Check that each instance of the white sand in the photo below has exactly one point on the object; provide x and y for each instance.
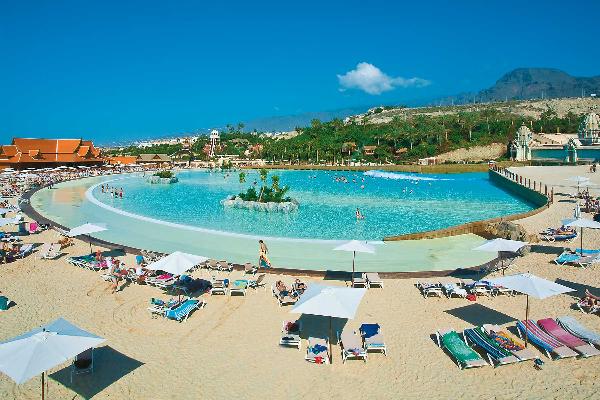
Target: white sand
(229, 349)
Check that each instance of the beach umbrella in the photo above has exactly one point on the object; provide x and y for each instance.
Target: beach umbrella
(177, 263)
(355, 246)
(499, 244)
(329, 301)
(7, 221)
(583, 223)
(530, 285)
(87, 229)
(36, 351)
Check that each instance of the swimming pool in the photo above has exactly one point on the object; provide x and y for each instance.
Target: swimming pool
(188, 216)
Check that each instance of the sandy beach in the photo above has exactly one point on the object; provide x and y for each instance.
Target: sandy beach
(230, 348)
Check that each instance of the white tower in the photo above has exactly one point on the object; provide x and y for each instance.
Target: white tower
(214, 141)
(521, 146)
(589, 130)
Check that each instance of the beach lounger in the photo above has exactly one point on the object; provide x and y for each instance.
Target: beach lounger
(573, 326)
(373, 339)
(249, 268)
(219, 286)
(552, 328)
(225, 266)
(183, 311)
(212, 264)
(283, 300)
(238, 287)
(430, 289)
(587, 251)
(50, 251)
(158, 307)
(290, 334)
(373, 279)
(83, 363)
(465, 356)
(510, 342)
(584, 303)
(25, 250)
(259, 282)
(544, 341)
(480, 288)
(452, 289)
(359, 281)
(566, 257)
(317, 351)
(351, 346)
(498, 290)
(496, 354)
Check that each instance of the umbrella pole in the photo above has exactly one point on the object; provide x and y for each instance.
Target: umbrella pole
(42, 386)
(353, 258)
(581, 238)
(330, 337)
(526, 317)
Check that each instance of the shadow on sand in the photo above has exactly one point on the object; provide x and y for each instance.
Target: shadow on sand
(477, 314)
(109, 366)
(318, 326)
(579, 288)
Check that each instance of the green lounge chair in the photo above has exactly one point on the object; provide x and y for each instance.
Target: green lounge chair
(465, 356)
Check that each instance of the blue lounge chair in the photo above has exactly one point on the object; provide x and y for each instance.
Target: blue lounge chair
(494, 352)
(182, 312)
(566, 258)
(587, 251)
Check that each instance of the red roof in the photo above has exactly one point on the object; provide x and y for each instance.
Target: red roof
(49, 151)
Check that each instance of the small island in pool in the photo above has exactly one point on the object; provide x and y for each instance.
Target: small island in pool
(164, 177)
(268, 199)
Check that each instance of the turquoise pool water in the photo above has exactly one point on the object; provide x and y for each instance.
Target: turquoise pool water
(391, 203)
(188, 217)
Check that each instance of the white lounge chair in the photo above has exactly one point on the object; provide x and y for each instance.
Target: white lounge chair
(351, 346)
(290, 334)
(452, 289)
(238, 287)
(49, 251)
(373, 279)
(317, 351)
(359, 281)
(218, 287)
(373, 339)
(430, 289)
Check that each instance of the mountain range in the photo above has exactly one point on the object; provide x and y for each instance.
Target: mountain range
(530, 83)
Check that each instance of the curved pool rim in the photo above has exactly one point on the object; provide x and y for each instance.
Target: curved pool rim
(403, 272)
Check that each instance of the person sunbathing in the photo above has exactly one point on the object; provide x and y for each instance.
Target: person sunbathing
(299, 286)
(282, 289)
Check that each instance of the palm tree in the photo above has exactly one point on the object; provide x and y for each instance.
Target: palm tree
(263, 178)
(242, 178)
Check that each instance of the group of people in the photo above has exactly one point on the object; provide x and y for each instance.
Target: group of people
(113, 191)
(295, 291)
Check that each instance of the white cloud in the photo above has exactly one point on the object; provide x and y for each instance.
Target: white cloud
(370, 79)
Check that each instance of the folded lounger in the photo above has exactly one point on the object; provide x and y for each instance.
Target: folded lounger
(317, 351)
(465, 356)
(373, 339)
(25, 250)
(373, 279)
(552, 328)
(493, 350)
(351, 346)
(544, 341)
(290, 334)
(182, 312)
(573, 326)
(509, 342)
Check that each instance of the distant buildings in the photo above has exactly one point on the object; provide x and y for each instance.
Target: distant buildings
(570, 147)
(162, 160)
(38, 153)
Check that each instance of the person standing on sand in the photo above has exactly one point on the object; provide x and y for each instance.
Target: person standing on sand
(263, 258)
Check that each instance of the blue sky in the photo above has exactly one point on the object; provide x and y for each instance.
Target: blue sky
(110, 70)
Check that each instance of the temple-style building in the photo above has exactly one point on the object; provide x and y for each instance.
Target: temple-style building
(38, 153)
(559, 147)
